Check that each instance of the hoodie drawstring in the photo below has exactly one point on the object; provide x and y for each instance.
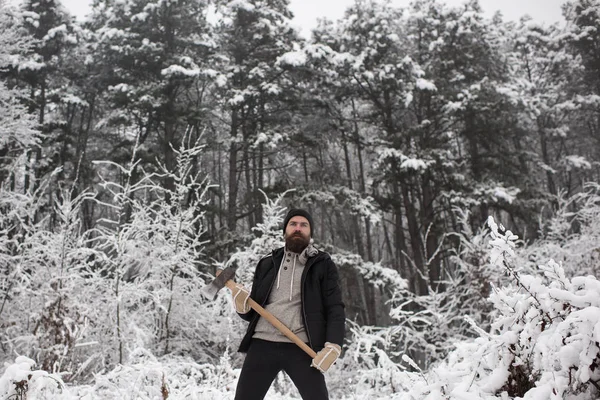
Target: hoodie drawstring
(293, 273)
(279, 275)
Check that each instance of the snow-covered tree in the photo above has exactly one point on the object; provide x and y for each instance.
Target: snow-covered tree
(583, 37)
(18, 129)
(41, 72)
(546, 95)
(151, 64)
(256, 96)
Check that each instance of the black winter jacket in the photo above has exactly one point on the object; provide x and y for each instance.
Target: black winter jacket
(322, 307)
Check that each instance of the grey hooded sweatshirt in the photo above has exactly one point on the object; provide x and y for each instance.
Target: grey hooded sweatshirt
(285, 301)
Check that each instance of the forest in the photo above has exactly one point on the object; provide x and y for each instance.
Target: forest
(451, 162)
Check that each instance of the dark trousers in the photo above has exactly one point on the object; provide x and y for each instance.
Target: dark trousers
(263, 362)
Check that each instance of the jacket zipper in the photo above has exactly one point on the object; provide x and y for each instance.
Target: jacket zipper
(302, 297)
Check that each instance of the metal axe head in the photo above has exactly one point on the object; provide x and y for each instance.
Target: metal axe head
(210, 291)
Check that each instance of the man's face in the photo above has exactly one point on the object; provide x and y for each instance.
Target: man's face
(297, 234)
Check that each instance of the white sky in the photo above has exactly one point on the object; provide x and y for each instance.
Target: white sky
(306, 12)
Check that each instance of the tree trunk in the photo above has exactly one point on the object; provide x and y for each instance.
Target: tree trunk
(356, 228)
(546, 159)
(169, 142)
(431, 243)
(250, 191)
(222, 185)
(233, 173)
(305, 164)
(394, 256)
(259, 183)
(400, 246)
(33, 157)
(416, 243)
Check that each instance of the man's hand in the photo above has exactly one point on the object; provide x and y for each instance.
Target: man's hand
(326, 357)
(240, 298)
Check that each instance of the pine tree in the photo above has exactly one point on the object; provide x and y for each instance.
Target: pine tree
(152, 57)
(41, 73)
(583, 37)
(256, 98)
(18, 128)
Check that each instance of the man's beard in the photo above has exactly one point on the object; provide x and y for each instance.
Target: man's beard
(296, 243)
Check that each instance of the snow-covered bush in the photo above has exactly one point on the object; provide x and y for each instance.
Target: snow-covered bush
(41, 279)
(571, 235)
(144, 376)
(425, 327)
(543, 343)
(268, 237)
(152, 259)
(226, 324)
(78, 301)
(21, 381)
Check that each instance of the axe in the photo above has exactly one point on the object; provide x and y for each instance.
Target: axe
(224, 279)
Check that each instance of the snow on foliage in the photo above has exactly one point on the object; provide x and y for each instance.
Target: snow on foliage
(268, 238)
(424, 84)
(269, 139)
(571, 235)
(142, 268)
(154, 257)
(148, 377)
(18, 129)
(499, 193)
(351, 200)
(241, 4)
(503, 322)
(292, 58)
(178, 70)
(576, 162)
(490, 192)
(387, 155)
(542, 343)
(20, 380)
(376, 274)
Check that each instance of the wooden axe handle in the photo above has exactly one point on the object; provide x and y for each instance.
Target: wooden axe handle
(276, 323)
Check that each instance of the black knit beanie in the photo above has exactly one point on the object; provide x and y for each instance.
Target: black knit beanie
(295, 212)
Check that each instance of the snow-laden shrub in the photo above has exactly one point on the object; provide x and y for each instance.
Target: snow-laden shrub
(369, 366)
(571, 236)
(152, 259)
(268, 238)
(147, 377)
(78, 301)
(20, 380)
(543, 342)
(425, 327)
(41, 279)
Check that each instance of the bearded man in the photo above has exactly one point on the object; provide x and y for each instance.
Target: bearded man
(299, 285)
